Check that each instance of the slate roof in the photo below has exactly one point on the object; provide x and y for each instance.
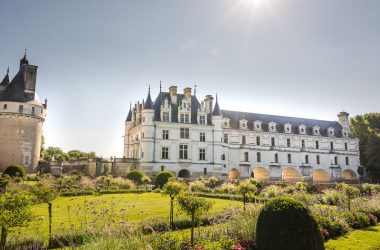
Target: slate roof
(15, 91)
(174, 107)
(236, 116)
(6, 80)
(216, 111)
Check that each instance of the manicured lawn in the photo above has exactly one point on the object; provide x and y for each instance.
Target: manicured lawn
(138, 207)
(364, 239)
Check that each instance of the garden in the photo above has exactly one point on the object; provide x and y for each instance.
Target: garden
(135, 212)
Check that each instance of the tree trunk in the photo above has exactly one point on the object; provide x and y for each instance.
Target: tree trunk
(349, 203)
(244, 201)
(3, 238)
(192, 230)
(50, 222)
(171, 214)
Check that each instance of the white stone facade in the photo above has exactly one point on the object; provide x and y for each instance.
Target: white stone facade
(192, 140)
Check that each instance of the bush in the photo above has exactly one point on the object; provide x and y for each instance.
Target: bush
(135, 175)
(284, 223)
(199, 186)
(162, 178)
(331, 219)
(15, 170)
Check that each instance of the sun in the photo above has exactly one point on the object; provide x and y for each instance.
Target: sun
(254, 3)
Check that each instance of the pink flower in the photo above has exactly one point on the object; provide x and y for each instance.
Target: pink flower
(325, 233)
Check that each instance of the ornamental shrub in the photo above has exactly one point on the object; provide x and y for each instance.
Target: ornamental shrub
(15, 170)
(162, 178)
(285, 223)
(135, 175)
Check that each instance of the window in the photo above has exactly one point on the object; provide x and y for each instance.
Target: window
(33, 110)
(162, 168)
(288, 142)
(202, 136)
(202, 120)
(165, 134)
(184, 118)
(288, 129)
(289, 158)
(332, 145)
(184, 133)
(336, 160)
(306, 159)
(183, 150)
(225, 138)
(317, 144)
(273, 142)
(5, 106)
(243, 140)
(202, 154)
(165, 116)
(303, 143)
(318, 160)
(20, 108)
(258, 140)
(258, 126)
(223, 157)
(205, 171)
(225, 124)
(345, 146)
(276, 158)
(347, 161)
(258, 156)
(143, 135)
(246, 156)
(165, 153)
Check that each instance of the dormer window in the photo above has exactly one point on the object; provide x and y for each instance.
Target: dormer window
(226, 122)
(257, 125)
(330, 131)
(316, 130)
(165, 116)
(302, 129)
(272, 126)
(344, 133)
(202, 120)
(288, 128)
(184, 118)
(243, 124)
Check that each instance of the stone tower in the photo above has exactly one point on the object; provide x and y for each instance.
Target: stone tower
(21, 118)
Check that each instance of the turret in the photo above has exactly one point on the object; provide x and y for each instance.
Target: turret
(217, 116)
(5, 82)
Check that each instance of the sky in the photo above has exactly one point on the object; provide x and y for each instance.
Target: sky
(298, 58)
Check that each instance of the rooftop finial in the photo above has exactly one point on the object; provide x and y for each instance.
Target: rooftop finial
(149, 89)
(8, 70)
(195, 90)
(216, 97)
(160, 86)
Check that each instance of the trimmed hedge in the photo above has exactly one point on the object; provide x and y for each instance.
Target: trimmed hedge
(15, 171)
(135, 175)
(285, 223)
(163, 177)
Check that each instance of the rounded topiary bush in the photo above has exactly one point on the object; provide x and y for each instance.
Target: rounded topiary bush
(284, 223)
(15, 170)
(162, 178)
(135, 175)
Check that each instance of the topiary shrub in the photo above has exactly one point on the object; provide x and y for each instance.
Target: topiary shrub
(135, 175)
(163, 177)
(285, 223)
(15, 170)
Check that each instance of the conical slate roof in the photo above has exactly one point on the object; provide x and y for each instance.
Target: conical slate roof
(148, 103)
(216, 111)
(129, 117)
(6, 79)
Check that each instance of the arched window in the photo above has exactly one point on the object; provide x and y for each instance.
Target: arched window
(246, 156)
(223, 157)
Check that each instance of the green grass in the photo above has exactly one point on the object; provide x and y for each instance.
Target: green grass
(139, 207)
(363, 239)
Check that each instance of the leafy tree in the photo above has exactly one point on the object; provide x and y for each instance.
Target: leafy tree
(15, 171)
(172, 188)
(135, 175)
(246, 188)
(350, 192)
(367, 129)
(145, 180)
(14, 212)
(162, 178)
(106, 168)
(193, 207)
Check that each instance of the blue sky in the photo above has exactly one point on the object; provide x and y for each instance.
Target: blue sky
(286, 57)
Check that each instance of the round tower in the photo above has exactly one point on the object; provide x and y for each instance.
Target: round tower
(21, 118)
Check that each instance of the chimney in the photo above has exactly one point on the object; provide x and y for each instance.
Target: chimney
(344, 120)
(187, 92)
(209, 103)
(173, 90)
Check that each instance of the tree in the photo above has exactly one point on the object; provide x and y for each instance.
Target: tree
(193, 207)
(106, 168)
(350, 192)
(246, 188)
(135, 175)
(172, 188)
(145, 180)
(162, 178)
(15, 171)
(14, 212)
(367, 129)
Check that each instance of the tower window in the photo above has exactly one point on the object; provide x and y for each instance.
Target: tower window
(223, 157)
(202, 154)
(258, 156)
(165, 134)
(332, 145)
(202, 136)
(243, 141)
(336, 160)
(345, 146)
(184, 133)
(33, 110)
(246, 156)
(258, 140)
(165, 153)
(289, 158)
(288, 142)
(303, 143)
